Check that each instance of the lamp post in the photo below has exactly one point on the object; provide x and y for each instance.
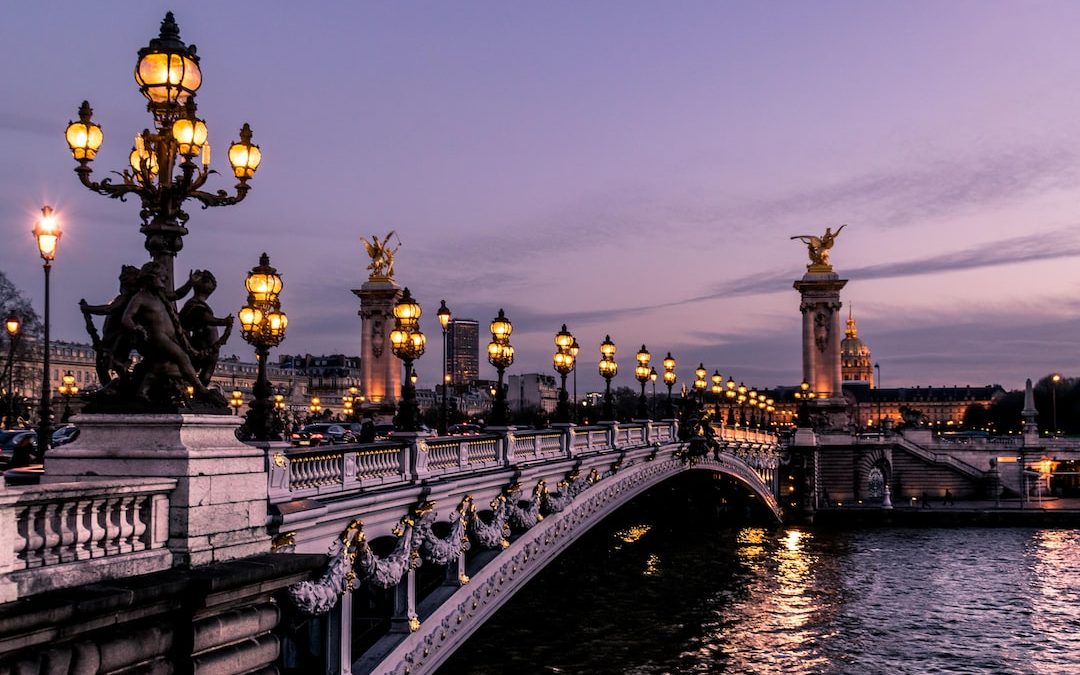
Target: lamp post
(641, 372)
(717, 391)
(700, 383)
(262, 324)
(13, 326)
(47, 232)
(163, 172)
(1054, 379)
(563, 362)
(608, 369)
(652, 378)
(574, 349)
(236, 401)
(500, 355)
(407, 341)
(670, 378)
(804, 396)
(315, 406)
(730, 394)
(444, 321)
(740, 398)
(877, 385)
(67, 389)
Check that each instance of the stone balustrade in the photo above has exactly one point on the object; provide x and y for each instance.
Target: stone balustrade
(60, 535)
(296, 473)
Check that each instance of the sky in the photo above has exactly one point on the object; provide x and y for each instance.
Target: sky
(627, 168)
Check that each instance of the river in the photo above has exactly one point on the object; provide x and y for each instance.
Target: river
(679, 590)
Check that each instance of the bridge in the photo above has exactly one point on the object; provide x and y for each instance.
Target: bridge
(491, 510)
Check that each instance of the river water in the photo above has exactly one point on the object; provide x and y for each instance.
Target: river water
(662, 591)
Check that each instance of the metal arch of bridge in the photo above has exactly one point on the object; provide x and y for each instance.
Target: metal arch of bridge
(621, 460)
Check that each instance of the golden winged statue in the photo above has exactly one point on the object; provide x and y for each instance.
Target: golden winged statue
(818, 247)
(382, 256)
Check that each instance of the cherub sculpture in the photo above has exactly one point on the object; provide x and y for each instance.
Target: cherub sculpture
(818, 247)
(382, 257)
(200, 325)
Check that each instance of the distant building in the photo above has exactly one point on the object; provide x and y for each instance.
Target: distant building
(532, 390)
(855, 362)
(327, 376)
(463, 351)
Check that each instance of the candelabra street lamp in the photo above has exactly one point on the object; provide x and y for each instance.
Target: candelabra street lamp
(670, 378)
(563, 361)
(500, 355)
(67, 389)
(730, 394)
(641, 372)
(407, 341)
(652, 378)
(13, 326)
(740, 399)
(608, 369)
(699, 383)
(236, 401)
(804, 395)
(47, 233)
(262, 324)
(444, 321)
(574, 349)
(1054, 379)
(315, 407)
(163, 172)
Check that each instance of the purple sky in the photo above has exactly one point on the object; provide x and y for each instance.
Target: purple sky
(627, 168)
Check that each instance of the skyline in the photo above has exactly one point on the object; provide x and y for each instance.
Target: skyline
(673, 151)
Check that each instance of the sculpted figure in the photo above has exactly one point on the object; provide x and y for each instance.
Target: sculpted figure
(200, 325)
(158, 336)
(382, 257)
(818, 247)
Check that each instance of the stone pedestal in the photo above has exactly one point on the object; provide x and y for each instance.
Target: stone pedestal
(218, 510)
(820, 306)
(380, 370)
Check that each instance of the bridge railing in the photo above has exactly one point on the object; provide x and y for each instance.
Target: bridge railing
(119, 524)
(297, 473)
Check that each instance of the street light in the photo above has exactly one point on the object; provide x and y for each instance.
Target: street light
(803, 395)
(407, 341)
(13, 325)
(47, 233)
(67, 389)
(652, 378)
(574, 349)
(730, 394)
(717, 390)
(563, 362)
(641, 372)
(236, 401)
(699, 382)
(1054, 379)
(500, 355)
(670, 378)
(877, 385)
(262, 324)
(444, 321)
(168, 75)
(315, 407)
(608, 369)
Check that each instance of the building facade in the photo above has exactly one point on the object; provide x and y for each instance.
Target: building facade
(462, 351)
(532, 391)
(856, 365)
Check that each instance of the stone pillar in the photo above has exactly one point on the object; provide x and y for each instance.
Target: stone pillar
(820, 307)
(380, 370)
(218, 510)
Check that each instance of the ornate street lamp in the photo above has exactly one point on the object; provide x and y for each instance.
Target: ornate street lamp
(564, 362)
(804, 395)
(608, 369)
(717, 391)
(670, 378)
(575, 348)
(730, 394)
(13, 326)
(262, 324)
(407, 341)
(652, 378)
(67, 389)
(444, 321)
(236, 401)
(315, 407)
(699, 382)
(641, 372)
(163, 171)
(740, 399)
(1054, 380)
(47, 233)
(500, 355)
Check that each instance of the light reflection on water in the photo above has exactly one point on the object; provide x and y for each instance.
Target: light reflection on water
(797, 601)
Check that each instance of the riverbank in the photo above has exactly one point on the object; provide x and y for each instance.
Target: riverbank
(1047, 512)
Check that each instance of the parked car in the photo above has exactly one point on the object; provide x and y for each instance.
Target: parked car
(383, 431)
(322, 434)
(463, 430)
(65, 435)
(9, 439)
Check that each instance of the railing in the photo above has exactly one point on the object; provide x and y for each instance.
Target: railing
(296, 473)
(59, 523)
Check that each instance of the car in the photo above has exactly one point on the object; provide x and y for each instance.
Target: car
(64, 435)
(9, 439)
(322, 434)
(383, 431)
(463, 430)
